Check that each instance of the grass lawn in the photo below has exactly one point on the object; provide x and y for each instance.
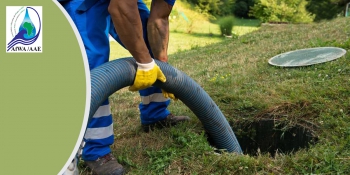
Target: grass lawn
(235, 73)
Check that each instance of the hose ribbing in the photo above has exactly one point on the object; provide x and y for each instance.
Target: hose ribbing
(114, 75)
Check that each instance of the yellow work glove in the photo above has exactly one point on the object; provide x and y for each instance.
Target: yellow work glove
(146, 75)
(169, 95)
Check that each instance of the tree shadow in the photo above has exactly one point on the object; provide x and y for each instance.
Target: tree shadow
(196, 34)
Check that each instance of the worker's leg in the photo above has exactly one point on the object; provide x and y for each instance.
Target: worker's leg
(92, 24)
(153, 107)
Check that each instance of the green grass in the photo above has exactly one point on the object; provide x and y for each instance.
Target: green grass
(235, 73)
(244, 26)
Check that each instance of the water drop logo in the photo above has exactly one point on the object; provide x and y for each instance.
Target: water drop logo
(24, 29)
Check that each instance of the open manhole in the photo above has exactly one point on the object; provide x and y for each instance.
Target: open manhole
(271, 136)
(284, 128)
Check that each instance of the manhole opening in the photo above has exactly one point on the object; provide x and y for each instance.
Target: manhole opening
(271, 136)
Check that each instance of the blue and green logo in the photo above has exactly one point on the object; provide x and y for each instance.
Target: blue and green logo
(25, 34)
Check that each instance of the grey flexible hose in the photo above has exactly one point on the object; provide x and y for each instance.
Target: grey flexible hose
(114, 75)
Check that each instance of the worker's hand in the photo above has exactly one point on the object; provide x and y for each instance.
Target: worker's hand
(146, 75)
(169, 95)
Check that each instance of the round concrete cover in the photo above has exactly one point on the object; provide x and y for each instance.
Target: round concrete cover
(306, 57)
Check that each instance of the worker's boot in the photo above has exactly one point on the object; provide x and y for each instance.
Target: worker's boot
(106, 165)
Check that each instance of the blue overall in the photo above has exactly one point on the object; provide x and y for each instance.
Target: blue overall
(93, 22)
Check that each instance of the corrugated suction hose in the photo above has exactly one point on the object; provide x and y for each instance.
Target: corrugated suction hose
(114, 75)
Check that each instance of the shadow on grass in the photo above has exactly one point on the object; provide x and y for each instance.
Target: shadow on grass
(241, 22)
(200, 35)
(247, 22)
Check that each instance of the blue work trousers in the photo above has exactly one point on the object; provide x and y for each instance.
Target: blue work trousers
(94, 25)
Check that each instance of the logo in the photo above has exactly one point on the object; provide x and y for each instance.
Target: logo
(24, 29)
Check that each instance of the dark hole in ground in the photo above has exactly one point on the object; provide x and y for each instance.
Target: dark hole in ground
(267, 136)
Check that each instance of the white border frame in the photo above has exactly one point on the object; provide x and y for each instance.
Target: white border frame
(88, 89)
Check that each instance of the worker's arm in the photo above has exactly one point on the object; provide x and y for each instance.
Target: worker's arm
(158, 29)
(127, 22)
(158, 33)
